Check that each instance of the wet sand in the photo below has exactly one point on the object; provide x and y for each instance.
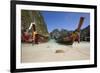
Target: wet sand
(46, 52)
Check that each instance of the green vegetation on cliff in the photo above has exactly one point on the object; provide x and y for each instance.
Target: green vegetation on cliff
(28, 16)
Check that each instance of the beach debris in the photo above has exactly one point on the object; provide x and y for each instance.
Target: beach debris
(59, 51)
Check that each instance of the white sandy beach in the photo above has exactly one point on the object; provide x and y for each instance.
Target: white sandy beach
(46, 52)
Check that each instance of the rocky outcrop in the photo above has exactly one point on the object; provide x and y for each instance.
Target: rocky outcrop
(85, 34)
(55, 34)
(28, 16)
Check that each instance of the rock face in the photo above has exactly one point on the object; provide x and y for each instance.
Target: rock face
(55, 34)
(64, 32)
(85, 34)
(28, 16)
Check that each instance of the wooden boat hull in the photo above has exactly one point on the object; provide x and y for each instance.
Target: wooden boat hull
(65, 41)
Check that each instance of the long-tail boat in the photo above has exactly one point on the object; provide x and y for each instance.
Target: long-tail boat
(74, 36)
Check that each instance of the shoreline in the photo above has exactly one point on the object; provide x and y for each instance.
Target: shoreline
(46, 52)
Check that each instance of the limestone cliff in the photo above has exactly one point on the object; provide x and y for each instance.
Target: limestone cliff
(28, 16)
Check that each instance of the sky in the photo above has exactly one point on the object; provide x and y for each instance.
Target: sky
(64, 20)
